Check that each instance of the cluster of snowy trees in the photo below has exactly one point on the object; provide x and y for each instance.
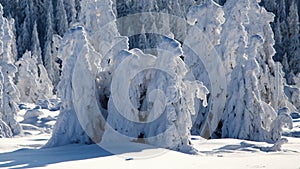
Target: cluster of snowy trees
(152, 71)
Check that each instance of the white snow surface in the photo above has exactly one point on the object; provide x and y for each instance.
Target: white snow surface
(27, 152)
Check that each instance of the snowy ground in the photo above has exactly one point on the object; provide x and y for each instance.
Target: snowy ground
(25, 152)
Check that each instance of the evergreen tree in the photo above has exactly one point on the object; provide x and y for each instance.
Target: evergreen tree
(294, 42)
(35, 45)
(61, 20)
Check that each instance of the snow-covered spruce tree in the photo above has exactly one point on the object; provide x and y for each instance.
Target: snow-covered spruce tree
(33, 81)
(246, 116)
(5, 130)
(294, 43)
(10, 98)
(80, 112)
(47, 51)
(10, 93)
(271, 80)
(60, 17)
(200, 56)
(24, 25)
(35, 45)
(45, 88)
(70, 7)
(27, 82)
(78, 54)
(233, 32)
(157, 17)
(161, 101)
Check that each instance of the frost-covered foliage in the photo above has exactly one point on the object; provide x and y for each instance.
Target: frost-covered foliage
(234, 36)
(201, 57)
(4, 130)
(74, 48)
(144, 21)
(248, 113)
(89, 54)
(293, 94)
(160, 101)
(45, 88)
(270, 76)
(286, 28)
(33, 81)
(9, 92)
(28, 78)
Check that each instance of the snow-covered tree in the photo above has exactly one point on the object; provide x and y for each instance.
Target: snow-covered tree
(10, 98)
(33, 81)
(28, 78)
(233, 32)
(74, 52)
(246, 115)
(91, 52)
(201, 57)
(271, 81)
(61, 20)
(35, 45)
(70, 10)
(5, 130)
(294, 42)
(10, 94)
(45, 88)
(157, 103)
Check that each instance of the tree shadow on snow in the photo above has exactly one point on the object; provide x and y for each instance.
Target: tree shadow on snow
(30, 158)
(242, 147)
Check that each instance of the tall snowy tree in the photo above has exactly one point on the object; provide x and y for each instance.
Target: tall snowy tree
(246, 116)
(10, 93)
(35, 44)
(74, 52)
(87, 51)
(294, 42)
(201, 57)
(271, 81)
(61, 20)
(70, 10)
(233, 32)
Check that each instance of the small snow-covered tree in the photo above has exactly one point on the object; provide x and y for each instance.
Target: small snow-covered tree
(28, 78)
(33, 81)
(45, 88)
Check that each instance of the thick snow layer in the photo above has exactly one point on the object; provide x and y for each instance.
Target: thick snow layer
(27, 152)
